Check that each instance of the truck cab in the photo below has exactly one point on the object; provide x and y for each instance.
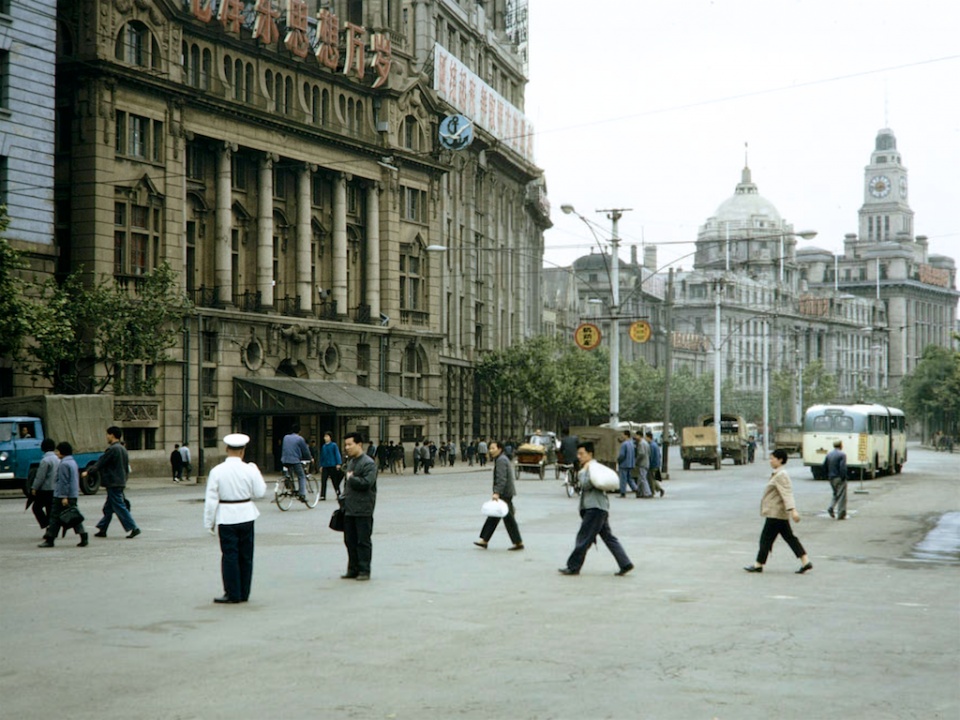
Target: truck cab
(20, 439)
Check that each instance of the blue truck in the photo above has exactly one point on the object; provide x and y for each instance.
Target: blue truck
(81, 420)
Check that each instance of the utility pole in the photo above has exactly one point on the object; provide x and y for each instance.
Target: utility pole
(614, 214)
(668, 323)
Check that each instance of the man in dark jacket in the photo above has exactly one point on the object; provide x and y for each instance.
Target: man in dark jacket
(359, 500)
(836, 466)
(503, 489)
(176, 464)
(113, 467)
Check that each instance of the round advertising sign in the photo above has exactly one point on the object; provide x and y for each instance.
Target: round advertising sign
(587, 336)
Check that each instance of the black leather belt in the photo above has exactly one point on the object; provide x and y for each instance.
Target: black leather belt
(234, 502)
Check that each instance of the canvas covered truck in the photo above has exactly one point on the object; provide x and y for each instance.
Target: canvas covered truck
(699, 446)
(789, 438)
(80, 420)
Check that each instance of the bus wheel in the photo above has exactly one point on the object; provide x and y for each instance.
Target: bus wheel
(872, 472)
(897, 465)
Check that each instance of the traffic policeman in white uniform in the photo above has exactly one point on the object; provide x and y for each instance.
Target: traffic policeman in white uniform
(231, 488)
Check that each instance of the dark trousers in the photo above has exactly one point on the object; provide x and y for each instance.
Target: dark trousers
(772, 528)
(358, 537)
(54, 527)
(596, 522)
(509, 522)
(236, 563)
(115, 504)
(42, 506)
(334, 475)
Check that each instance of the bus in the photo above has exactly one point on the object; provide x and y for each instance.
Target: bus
(874, 438)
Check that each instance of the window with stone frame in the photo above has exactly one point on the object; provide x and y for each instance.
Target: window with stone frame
(412, 280)
(412, 373)
(139, 137)
(138, 226)
(136, 46)
(136, 379)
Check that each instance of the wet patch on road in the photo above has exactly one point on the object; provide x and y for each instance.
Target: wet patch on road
(941, 544)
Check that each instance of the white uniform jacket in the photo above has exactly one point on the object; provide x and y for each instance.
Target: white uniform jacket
(228, 482)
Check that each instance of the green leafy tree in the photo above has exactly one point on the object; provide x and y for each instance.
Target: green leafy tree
(106, 327)
(553, 381)
(15, 309)
(932, 391)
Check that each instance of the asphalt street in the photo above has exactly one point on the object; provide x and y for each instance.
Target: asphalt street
(126, 628)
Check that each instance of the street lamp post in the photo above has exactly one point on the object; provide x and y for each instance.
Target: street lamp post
(614, 214)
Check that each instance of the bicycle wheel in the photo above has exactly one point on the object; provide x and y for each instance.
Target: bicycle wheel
(571, 484)
(313, 491)
(282, 497)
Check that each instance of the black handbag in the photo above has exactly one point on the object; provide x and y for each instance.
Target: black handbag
(70, 517)
(336, 520)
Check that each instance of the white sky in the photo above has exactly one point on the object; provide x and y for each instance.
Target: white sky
(647, 104)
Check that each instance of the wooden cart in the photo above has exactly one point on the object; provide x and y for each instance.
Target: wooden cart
(531, 459)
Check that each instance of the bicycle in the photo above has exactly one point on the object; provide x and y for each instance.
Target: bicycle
(571, 482)
(287, 488)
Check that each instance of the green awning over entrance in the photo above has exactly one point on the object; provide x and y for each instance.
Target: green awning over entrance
(293, 396)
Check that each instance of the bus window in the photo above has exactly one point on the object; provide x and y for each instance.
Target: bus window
(823, 423)
(843, 423)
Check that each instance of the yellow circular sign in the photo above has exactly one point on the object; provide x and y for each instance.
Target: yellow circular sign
(640, 331)
(587, 336)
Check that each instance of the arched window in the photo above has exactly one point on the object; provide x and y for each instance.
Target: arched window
(136, 46)
(410, 134)
(193, 71)
(287, 95)
(325, 106)
(206, 69)
(248, 85)
(268, 77)
(228, 69)
(315, 106)
(238, 81)
(358, 128)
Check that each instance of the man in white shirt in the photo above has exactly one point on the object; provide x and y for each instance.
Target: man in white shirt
(228, 507)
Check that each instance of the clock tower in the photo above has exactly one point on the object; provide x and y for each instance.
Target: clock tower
(885, 213)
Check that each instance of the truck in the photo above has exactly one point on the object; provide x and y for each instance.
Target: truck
(789, 438)
(699, 445)
(80, 420)
(733, 436)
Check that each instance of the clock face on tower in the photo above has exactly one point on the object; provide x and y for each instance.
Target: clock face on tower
(903, 188)
(879, 186)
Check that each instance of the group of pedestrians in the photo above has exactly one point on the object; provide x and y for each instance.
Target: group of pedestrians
(56, 488)
(180, 463)
(639, 461)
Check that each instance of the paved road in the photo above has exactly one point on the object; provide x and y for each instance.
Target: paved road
(126, 628)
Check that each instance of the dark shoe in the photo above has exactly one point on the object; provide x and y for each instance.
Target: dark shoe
(623, 495)
(46, 543)
(802, 570)
(480, 543)
(348, 576)
(624, 570)
(842, 516)
(224, 600)
(568, 571)
(830, 512)
(363, 577)
(754, 568)
(323, 497)
(518, 546)
(84, 540)
(662, 491)
(100, 533)
(133, 533)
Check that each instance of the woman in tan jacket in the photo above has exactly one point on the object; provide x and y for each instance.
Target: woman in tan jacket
(777, 506)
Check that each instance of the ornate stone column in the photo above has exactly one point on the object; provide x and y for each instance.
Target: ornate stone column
(265, 278)
(373, 250)
(340, 243)
(304, 239)
(223, 275)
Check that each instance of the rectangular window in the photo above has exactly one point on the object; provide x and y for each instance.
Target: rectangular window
(136, 238)
(414, 204)
(139, 137)
(209, 381)
(4, 78)
(238, 172)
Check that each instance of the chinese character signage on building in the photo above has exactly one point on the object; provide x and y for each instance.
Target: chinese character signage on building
(934, 276)
(470, 95)
(587, 336)
(285, 24)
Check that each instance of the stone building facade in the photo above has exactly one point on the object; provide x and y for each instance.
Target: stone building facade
(284, 158)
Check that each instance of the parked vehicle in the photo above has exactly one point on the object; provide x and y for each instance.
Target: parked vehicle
(733, 436)
(874, 438)
(80, 420)
(699, 445)
(789, 438)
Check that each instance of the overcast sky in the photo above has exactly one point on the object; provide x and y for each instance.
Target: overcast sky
(647, 104)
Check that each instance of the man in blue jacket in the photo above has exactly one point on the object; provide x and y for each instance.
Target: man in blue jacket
(330, 462)
(294, 449)
(113, 466)
(65, 493)
(625, 462)
(836, 466)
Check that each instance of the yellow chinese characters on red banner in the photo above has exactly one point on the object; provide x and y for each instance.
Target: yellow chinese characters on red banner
(640, 331)
(587, 336)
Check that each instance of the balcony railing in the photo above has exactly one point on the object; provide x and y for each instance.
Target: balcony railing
(205, 297)
(415, 317)
(288, 305)
(248, 301)
(362, 315)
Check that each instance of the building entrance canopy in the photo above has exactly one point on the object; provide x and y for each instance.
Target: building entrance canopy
(293, 396)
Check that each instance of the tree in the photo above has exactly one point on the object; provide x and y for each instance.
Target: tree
(932, 391)
(80, 329)
(553, 380)
(15, 309)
